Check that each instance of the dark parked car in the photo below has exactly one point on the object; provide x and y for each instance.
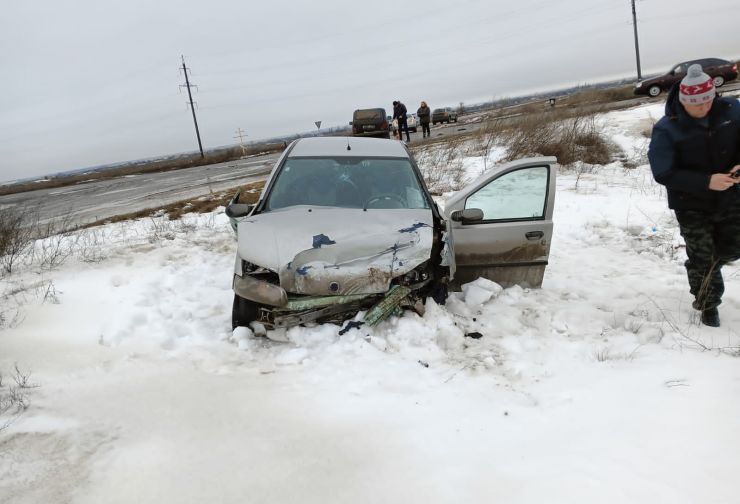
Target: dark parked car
(347, 224)
(444, 115)
(720, 70)
(370, 122)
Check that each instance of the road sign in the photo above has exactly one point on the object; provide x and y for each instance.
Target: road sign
(318, 124)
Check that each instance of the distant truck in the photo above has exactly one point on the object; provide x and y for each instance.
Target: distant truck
(444, 115)
(370, 122)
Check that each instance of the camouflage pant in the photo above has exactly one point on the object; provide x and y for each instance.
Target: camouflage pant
(712, 240)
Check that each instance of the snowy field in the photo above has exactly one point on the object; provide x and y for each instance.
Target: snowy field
(601, 387)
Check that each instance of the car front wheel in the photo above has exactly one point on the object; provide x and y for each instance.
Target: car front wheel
(654, 91)
(718, 81)
(243, 312)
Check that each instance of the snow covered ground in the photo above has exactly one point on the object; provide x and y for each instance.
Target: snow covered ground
(600, 387)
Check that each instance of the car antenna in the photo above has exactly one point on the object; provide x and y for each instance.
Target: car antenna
(348, 147)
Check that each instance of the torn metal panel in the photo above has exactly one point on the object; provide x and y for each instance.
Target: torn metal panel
(388, 306)
(448, 251)
(313, 302)
(289, 319)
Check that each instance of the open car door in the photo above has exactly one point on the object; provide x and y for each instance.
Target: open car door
(501, 223)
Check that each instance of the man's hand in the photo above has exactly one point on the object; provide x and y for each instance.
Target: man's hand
(723, 181)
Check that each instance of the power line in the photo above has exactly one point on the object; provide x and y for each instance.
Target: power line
(192, 107)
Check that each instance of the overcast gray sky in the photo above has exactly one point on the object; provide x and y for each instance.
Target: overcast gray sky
(90, 82)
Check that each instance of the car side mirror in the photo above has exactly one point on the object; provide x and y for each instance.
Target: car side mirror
(236, 210)
(350, 123)
(467, 215)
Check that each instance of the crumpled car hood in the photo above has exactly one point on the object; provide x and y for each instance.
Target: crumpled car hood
(337, 251)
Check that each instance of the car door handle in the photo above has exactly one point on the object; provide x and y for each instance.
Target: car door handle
(534, 235)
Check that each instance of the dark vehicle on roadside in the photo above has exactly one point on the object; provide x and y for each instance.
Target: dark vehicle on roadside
(371, 123)
(347, 224)
(719, 70)
(444, 115)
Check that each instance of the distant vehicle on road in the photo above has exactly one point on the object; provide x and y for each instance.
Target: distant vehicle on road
(720, 70)
(411, 121)
(444, 115)
(370, 122)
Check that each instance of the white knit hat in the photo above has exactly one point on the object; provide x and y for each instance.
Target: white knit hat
(697, 87)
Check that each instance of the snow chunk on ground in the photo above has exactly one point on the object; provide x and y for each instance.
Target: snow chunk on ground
(479, 291)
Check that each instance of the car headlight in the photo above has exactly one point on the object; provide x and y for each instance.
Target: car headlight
(638, 85)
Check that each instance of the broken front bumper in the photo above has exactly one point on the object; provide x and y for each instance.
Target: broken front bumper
(280, 311)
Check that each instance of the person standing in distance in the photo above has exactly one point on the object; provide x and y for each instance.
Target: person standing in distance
(425, 116)
(399, 113)
(695, 153)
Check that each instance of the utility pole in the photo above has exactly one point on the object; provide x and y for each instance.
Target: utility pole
(192, 107)
(239, 134)
(637, 45)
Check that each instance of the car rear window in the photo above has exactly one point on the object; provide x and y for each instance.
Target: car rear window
(370, 114)
(439, 111)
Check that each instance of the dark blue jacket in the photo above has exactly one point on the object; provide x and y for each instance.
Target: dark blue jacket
(684, 153)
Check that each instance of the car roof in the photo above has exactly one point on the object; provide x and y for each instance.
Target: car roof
(700, 60)
(376, 109)
(337, 147)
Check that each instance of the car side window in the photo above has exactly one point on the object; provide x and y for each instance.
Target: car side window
(517, 195)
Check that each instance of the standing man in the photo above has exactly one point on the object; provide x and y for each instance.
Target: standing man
(425, 116)
(399, 112)
(695, 153)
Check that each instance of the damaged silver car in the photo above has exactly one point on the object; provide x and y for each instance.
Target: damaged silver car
(347, 224)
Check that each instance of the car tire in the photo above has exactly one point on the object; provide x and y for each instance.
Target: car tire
(243, 312)
(718, 81)
(654, 90)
